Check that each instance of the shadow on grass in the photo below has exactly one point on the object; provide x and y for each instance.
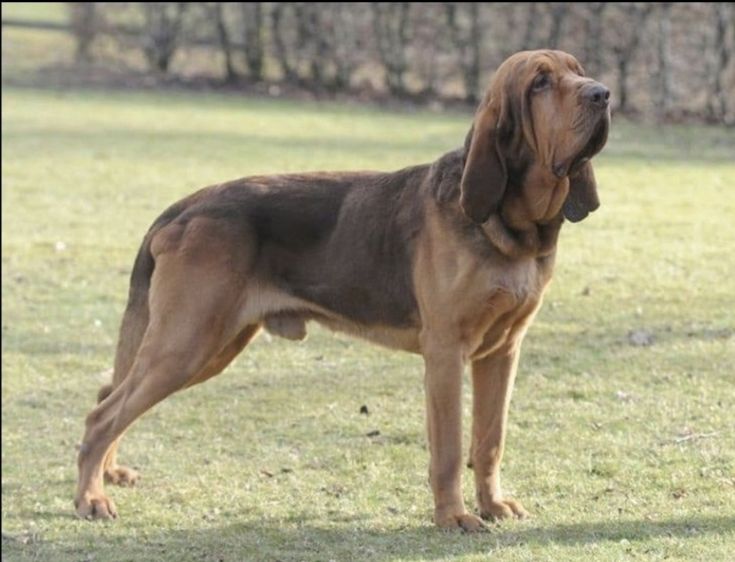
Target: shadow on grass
(350, 539)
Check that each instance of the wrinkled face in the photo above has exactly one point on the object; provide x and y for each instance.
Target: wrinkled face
(540, 122)
(566, 115)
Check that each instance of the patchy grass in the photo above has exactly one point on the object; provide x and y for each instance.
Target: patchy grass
(620, 451)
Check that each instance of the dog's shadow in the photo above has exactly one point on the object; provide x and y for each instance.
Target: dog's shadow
(352, 539)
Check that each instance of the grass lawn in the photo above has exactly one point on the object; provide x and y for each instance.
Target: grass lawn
(55, 12)
(619, 451)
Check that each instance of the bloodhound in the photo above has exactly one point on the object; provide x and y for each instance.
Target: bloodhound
(448, 259)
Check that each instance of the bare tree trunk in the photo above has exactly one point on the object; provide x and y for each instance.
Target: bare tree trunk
(717, 102)
(317, 36)
(467, 46)
(83, 17)
(162, 27)
(252, 25)
(302, 38)
(304, 41)
(472, 76)
(279, 42)
(531, 26)
(344, 45)
(626, 45)
(622, 64)
(662, 95)
(390, 24)
(593, 36)
(558, 12)
(312, 47)
(401, 44)
(333, 44)
(216, 11)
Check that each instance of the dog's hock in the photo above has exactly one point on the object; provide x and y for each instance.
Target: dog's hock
(289, 326)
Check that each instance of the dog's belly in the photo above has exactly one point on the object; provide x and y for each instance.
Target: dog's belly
(292, 325)
(286, 316)
(403, 339)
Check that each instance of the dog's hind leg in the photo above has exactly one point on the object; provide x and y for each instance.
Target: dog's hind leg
(135, 321)
(132, 329)
(125, 476)
(192, 320)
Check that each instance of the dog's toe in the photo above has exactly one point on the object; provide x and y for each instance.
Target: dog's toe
(121, 476)
(95, 506)
(466, 522)
(503, 509)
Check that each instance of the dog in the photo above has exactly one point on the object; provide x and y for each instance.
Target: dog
(448, 259)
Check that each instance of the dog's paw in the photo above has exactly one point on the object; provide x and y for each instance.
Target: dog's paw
(503, 509)
(95, 506)
(466, 522)
(121, 476)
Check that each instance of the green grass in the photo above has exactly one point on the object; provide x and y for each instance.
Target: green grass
(55, 12)
(271, 461)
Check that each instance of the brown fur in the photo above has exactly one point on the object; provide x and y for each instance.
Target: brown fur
(449, 260)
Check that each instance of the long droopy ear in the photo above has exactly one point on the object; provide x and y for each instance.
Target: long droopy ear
(484, 177)
(582, 198)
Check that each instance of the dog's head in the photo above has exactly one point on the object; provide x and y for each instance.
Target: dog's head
(539, 110)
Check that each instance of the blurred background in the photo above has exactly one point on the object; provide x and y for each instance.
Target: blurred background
(664, 61)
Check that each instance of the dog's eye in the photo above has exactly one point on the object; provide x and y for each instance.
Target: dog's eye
(541, 82)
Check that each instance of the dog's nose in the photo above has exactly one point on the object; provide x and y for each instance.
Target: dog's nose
(597, 95)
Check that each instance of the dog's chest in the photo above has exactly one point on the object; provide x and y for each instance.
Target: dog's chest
(523, 279)
(504, 306)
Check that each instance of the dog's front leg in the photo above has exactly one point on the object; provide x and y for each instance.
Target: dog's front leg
(443, 385)
(492, 381)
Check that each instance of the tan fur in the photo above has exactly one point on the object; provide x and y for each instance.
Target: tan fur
(474, 238)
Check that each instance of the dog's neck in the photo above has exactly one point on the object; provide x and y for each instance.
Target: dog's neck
(529, 219)
(537, 241)
(536, 199)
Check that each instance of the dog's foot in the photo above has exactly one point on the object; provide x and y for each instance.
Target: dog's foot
(121, 476)
(466, 522)
(95, 506)
(503, 509)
